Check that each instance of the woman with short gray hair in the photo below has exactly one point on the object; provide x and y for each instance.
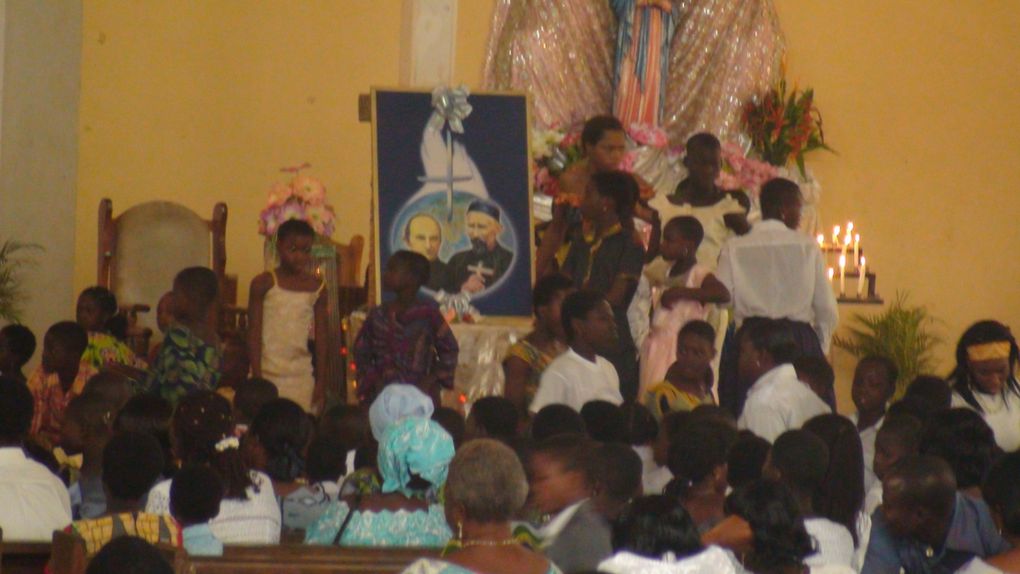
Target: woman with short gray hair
(485, 488)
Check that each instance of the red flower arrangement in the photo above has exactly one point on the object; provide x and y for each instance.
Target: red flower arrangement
(785, 126)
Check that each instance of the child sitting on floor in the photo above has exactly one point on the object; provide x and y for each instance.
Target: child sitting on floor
(61, 377)
(17, 345)
(189, 358)
(88, 424)
(326, 463)
(287, 308)
(97, 313)
(131, 464)
(685, 287)
(873, 387)
(151, 415)
(405, 339)
(688, 381)
(195, 497)
(900, 436)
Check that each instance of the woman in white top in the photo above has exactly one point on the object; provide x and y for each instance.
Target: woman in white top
(203, 433)
(985, 379)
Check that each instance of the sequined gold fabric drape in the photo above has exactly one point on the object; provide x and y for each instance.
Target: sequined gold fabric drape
(559, 51)
(725, 52)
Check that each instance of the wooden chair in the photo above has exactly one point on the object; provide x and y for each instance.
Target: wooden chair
(24, 557)
(143, 248)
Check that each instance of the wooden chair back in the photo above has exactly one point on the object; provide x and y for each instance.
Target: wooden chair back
(69, 555)
(24, 557)
(302, 559)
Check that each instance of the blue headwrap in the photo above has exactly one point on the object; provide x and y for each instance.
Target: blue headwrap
(395, 402)
(414, 446)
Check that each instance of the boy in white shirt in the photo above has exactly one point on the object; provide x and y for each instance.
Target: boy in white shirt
(777, 401)
(776, 272)
(33, 501)
(582, 374)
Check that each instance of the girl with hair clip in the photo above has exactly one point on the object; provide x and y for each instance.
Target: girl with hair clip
(985, 379)
(98, 314)
(698, 461)
(202, 431)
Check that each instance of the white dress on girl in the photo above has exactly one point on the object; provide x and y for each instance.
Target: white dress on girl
(288, 318)
(658, 351)
(712, 219)
(1001, 412)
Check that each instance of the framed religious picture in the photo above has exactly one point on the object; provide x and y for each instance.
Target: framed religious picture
(452, 174)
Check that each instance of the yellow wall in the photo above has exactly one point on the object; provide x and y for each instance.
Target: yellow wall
(202, 101)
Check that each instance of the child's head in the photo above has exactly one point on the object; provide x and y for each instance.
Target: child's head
(556, 419)
(294, 239)
(348, 424)
(604, 142)
(929, 393)
(695, 349)
(196, 291)
(764, 344)
(987, 360)
(16, 408)
(327, 459)
(781, 199)
(962, 438)
(202, 431)
(452, 422)
(639, 426)
(670, 427)
(681, 237)
(63, 346)
(17, 345)
(603, 421)
(842, 492)
(779, 540)
(817, 373)
(405, 271)
(874, 383)
(492, 417)
(699, 455)
(88, 420)
(651, 526)
(918, 498)
(588, 320)
(165, 311)
(746, 459)
(560, 472)
(609, 192)
(703, 159)
(899, 436)
(282, 430)
(129, 555)
(96, 306)
(616, 475)
(250, 396)
(113, 387)
(132, 461)
(547, 300)
(195, 495)
(149, 414)
(800, 460)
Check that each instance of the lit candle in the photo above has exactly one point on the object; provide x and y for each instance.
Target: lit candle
(862, 280)
(857, 250)
(821, 240)
(850, 227)
(842, 275)
(835, 235)
(832, 272)
(846, 244)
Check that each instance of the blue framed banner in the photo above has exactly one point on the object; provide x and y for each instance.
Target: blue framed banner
(452, 182)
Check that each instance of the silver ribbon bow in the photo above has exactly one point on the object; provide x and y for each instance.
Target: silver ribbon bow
(449, 107)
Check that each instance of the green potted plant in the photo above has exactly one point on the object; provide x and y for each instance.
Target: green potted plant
(902, 332)
(12, 294)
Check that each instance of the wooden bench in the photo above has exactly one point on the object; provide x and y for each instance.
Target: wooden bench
(300, 559)
(24, 557)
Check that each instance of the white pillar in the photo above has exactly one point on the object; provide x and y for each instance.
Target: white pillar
(428, 42)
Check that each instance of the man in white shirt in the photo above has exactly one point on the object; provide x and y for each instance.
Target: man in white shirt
(776, 272)
(581, 374)
(777, 401)
(33, 502)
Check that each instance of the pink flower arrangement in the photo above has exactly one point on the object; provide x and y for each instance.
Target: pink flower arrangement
(742, 172)
(303, 198)
(647, 135)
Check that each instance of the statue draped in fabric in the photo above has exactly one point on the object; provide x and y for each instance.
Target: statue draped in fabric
(645, 31)
(722, 54)
(558, 51)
